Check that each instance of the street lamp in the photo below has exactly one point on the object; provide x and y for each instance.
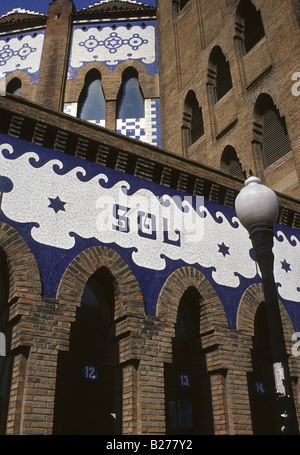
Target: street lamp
(257, 209)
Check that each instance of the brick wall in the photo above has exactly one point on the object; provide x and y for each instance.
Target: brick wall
(189, 36)
(41, 327)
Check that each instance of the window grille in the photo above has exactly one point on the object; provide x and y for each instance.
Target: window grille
(276, 142)
(231, 163)
(235, 168)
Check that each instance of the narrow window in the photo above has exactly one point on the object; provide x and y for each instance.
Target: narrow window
(251, 22)
(296, 6)
(91, 103)
(192, 127)
(197, 127)
(14, 86)
(231, 164)
(179, 4)
(275, 139)
(220, 73)
(130, 103)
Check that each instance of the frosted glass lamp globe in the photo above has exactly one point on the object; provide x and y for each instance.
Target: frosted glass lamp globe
(256, 204)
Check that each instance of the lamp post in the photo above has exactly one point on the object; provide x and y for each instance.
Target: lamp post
(257, 209)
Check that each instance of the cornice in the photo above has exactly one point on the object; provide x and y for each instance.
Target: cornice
(114, 9)
(20, 21)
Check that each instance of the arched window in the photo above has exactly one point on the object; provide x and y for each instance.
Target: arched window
(192, 119)
(275, 139)
(130, 102)
(188, 394)
(88, 380)
(250, 20)
(5, 337)
(219, 72)
(261, 380)
(230, 163)
(178, 5)
(91, 103)
(14, 86)
(296, 6)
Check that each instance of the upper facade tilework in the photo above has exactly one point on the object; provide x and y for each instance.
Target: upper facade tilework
(112, 43)
(23, 52)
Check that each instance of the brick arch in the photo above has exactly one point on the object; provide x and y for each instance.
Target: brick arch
(27, 89)
(175, 286)
(248, 306)
(238, 7)
(76, 85)
(121, 67)
(148, 82)
(261, 98)
(213, 329)
(24, 275)
(128, 295)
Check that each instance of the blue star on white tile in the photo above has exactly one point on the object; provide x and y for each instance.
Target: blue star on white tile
(223, 249)
(56, 204)
(286, 266)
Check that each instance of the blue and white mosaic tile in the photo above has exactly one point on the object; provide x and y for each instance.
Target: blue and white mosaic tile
(62, 205)
(112, 44)
(21, 52)
(145, 129)
(71, 109)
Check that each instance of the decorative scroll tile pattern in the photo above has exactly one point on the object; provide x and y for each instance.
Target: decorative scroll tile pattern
(21, 52)
(111, 44)
(62, 205)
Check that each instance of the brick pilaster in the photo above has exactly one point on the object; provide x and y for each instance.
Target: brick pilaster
(53, 68)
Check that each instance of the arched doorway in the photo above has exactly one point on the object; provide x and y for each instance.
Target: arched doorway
(5, 341)
(262, 394)
(88, 393)
(187, 382)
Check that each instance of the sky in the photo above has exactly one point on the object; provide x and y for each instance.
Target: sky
(41, 6)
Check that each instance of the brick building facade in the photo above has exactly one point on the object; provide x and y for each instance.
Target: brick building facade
(118, 317)
(261, 60)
